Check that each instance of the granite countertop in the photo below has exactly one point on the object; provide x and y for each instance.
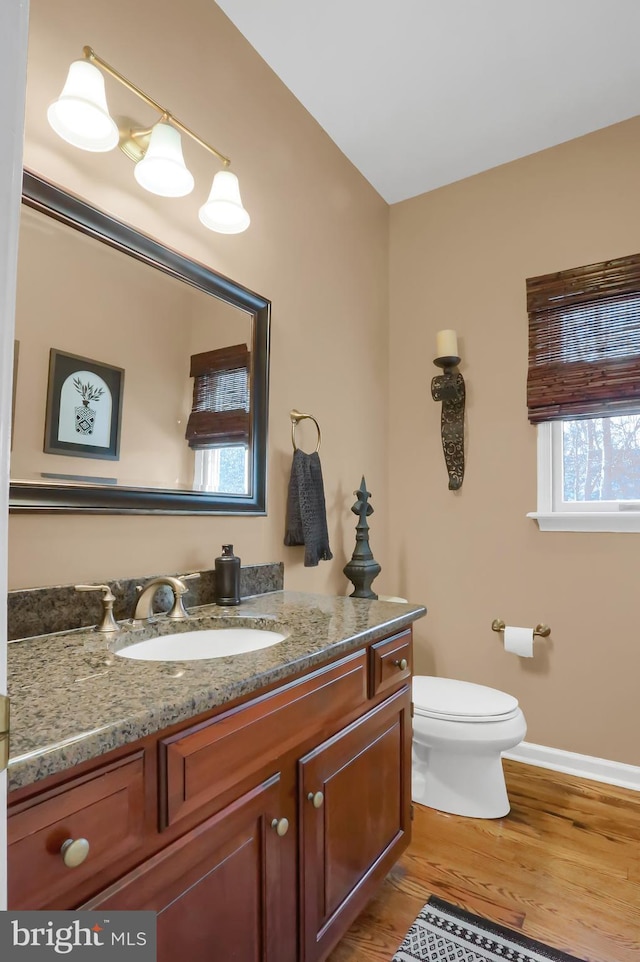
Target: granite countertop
(73, 699)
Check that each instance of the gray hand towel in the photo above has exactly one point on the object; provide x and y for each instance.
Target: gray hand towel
(306, 510)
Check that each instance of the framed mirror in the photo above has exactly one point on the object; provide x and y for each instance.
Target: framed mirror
(140, 376)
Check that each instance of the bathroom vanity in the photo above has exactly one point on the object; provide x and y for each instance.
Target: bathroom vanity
(253, 802)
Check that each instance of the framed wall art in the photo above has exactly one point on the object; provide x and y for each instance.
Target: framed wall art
(84, 407)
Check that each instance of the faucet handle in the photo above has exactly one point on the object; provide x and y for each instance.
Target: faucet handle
(107, 622)
(178, 610)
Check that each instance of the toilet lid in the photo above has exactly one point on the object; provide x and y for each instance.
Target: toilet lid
(450, 698)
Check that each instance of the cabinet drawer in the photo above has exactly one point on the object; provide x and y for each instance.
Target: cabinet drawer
(105, 807)
(391, 663)
(202, 762)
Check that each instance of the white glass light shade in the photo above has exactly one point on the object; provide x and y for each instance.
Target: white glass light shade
(80, 114)
(162, 169)
(223, 211)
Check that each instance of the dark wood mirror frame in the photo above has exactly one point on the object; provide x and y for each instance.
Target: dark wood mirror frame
(96, 499)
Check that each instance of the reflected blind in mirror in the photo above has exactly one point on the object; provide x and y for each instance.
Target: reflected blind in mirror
(220, 413)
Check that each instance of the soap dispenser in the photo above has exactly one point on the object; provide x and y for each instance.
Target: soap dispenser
(227, 568)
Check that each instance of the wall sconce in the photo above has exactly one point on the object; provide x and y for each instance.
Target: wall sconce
(449, 388)
(81, 117)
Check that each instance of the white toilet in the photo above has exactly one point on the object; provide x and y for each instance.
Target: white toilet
(459, 732)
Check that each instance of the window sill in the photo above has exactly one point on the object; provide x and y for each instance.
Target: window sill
(587, 521)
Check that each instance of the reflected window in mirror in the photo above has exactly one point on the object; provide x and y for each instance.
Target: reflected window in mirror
(193, 347)
(222, 468)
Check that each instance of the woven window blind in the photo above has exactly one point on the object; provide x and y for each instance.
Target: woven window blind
(220, 412)
(584, 341)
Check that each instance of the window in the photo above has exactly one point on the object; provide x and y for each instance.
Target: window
(583, 393)
(218, 426)
(222, 469)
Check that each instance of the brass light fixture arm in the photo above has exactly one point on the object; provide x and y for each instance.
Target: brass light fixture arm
(92, 56)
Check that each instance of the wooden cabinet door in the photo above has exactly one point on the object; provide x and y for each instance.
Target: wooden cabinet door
(217, 889)
(353, 832)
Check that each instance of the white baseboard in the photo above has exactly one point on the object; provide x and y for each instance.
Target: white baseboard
(586, 766)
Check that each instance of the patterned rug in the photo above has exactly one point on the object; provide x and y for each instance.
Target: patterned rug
(445, 933)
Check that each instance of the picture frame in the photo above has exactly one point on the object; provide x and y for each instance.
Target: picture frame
(84, 407)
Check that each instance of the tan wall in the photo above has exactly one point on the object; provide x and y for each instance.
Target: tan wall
(459, 259)
(317, 247)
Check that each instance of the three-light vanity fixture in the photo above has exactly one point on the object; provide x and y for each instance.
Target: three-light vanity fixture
(81, 117)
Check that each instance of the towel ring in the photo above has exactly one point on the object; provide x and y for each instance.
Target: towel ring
(297, 416)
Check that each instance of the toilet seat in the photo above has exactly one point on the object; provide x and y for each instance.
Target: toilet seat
(461, 701)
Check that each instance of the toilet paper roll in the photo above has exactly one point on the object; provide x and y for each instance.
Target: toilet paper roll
(519, 641)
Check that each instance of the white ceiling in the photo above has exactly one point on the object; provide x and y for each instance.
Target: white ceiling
(420, 93)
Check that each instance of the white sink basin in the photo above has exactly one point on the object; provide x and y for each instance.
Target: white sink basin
(208, 643)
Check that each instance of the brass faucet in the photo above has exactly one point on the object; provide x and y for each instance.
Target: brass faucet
(143, 608)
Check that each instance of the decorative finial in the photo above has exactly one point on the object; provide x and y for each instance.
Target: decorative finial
(362, 568)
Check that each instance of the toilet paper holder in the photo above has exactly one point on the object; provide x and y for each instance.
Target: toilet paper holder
(541, 631)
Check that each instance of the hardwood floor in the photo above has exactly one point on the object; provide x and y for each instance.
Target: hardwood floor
(563, 867)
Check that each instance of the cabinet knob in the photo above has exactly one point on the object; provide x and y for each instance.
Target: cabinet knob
(402, 664)
(74, 851)
(316, 799)
(281, 826)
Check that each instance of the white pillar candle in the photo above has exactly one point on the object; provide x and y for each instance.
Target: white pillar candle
(446, 344)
